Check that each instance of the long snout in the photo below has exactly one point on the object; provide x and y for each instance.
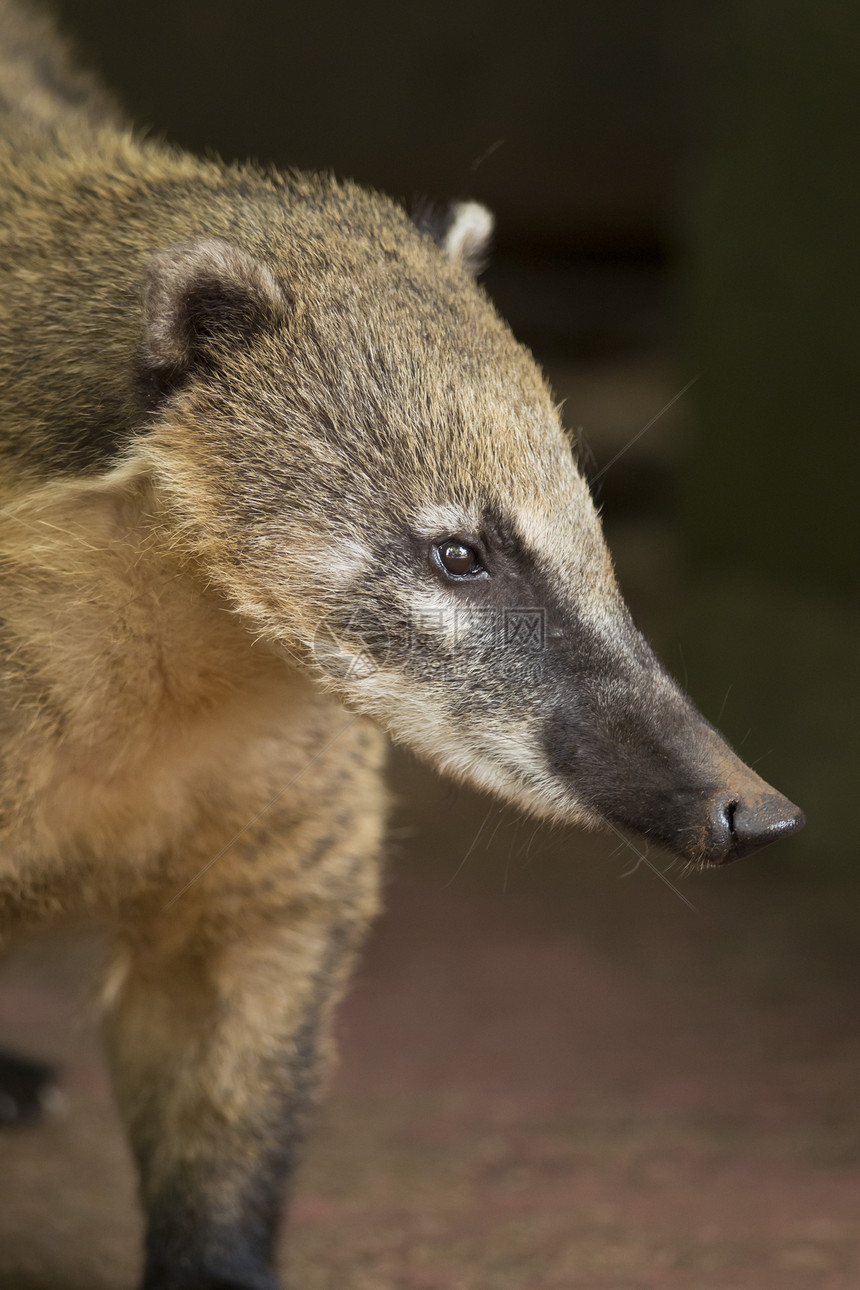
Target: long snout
(730, 813)
(640, 754)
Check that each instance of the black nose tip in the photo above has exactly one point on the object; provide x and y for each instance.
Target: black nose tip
(739, 825)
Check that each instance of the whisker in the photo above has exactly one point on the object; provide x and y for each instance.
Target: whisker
(471, 847)
(647, 426)
(657, 872)
(487, 153)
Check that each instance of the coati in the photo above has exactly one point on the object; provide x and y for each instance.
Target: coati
(276, 479)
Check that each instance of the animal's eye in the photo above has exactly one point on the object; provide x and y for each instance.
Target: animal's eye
(458, 558)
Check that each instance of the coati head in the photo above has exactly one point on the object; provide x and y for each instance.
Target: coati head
(370, 465)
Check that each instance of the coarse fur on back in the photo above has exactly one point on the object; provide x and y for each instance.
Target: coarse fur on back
(276, 477)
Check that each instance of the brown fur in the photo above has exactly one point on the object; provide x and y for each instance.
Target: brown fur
(241, 411)
(41, 80)
(149, 731)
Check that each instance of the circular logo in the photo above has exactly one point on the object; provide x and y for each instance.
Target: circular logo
(350, 646)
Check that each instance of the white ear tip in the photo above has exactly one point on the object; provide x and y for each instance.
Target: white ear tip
(468, 238)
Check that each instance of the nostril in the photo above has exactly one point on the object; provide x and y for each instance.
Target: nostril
(731, 810)
(739, 822)
(750, 823)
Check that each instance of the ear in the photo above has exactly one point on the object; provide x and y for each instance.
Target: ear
(198, 297)
(465, 232)
(469, 234)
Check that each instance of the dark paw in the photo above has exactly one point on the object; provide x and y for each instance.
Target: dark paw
(187, 1280)
(28, 1090)
(224, 1270)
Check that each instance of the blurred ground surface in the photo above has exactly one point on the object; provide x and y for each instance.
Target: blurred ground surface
(554, 1075)
(575, 1082)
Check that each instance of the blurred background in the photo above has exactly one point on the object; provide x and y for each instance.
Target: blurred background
(561, 1068)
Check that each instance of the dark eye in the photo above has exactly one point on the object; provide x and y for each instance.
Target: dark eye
(458, 558)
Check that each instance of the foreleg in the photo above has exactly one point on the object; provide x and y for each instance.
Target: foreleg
(218, 1031)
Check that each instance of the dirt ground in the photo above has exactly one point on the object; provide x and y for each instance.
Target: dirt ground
(554, 1073)
(553, 1076)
